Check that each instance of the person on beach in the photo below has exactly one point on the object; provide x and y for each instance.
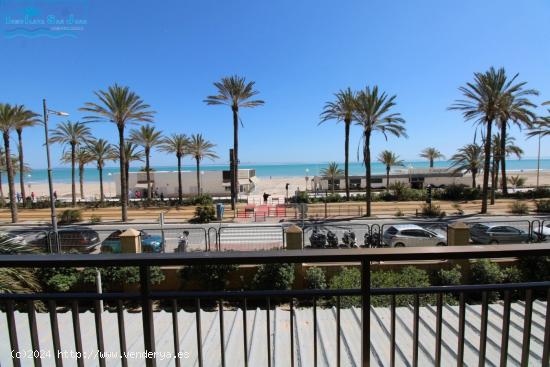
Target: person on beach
(32, 196)
(161, 196)
(55, 195)
(18, 195)
(266, 196)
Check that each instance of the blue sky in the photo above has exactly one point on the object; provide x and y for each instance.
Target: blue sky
(298, 52)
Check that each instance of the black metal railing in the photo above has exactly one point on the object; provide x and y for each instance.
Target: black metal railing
(241, 299)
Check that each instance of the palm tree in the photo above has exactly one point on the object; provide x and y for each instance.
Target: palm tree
(82, 159)
(540, 128)
(2, 169)
(515, 108)
(122, 107)
(331, 172)
(73, 134)
(132, 154)
(374, 114)
(26, 118)
(431, 154)
(100, 151)
(148, 138)
(342, 109)
(15, 167)
(176, 144)
(483, 102)
(8, 118)
(199, 148)
(510, 149)
(389, 159)
(236, 93)
(469, 158)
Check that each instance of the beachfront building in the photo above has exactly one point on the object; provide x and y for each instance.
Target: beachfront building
(414, 178)
(216, 183)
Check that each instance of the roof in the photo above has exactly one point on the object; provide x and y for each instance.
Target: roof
(406, 226)
(303, 335)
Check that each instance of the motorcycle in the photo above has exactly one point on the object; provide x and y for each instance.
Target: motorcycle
(332, 239)
(349, 239)
(183, 242)
(317, 239)
(372, 240)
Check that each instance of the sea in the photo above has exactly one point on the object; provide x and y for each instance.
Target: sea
(63, 174)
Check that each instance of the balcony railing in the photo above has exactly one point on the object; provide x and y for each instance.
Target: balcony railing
(145, 297)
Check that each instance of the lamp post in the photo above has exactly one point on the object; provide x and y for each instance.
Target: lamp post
(538, 163)
(307, 177)
(202, 182)
(28, 185)
(50, 183)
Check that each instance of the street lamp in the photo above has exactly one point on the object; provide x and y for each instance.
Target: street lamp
(202, 182)
(47, 112)
(307, 177)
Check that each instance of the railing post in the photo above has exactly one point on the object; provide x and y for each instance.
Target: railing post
(147, 313)
(365, 312)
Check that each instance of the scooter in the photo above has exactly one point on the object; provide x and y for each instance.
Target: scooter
(332, 239)
(317, 239)
(349, 239)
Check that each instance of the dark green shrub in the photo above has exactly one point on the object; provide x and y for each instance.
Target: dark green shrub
(457, 192)
(210, 277)
(315, 278)
(543, 206)
(69, 216)
(203, 199)
(334, 198)
(535, 268)
(407, 277)
(94, 219)
(274, 277)
(347, 278)
(300, 197)
(486, 272)
(519, 207)
(204, 214)
(451, 276)
(433, 210)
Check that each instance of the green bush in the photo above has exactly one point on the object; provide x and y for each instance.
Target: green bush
(535, 268)
(457, 192)
(519, 207)
(70, 216)
(274, 277)
(433, 210)
(301, 197)
(486, 272)
(451, 276)
(347, 278)
(204, 214)
(209, 277)
(315, 278)
(334, 198)
(407, 277)
(203, 199)
(543, 206)
(94, 219)
(399, 213)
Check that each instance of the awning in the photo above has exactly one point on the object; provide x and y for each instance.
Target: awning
(244, 181)
(141, 186)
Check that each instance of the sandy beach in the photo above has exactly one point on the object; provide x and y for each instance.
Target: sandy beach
(275, 186)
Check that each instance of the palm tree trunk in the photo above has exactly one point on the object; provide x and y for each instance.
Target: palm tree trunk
(21, 164)
(81, 180)
(180, 192)
(486, 168)
(332, 186)
(431, 163)
(474, 173)
(127, 170)
(387, 178)
(101, 192)
(234, 193)
(346, 163)
(493, 181)
(9, 170)
(123, 176)
(368, 172)
(503, 157)
(148, 173)
(73, 173)
(198, 176)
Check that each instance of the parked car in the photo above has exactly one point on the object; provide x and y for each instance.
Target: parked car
(82, 240)
(149, 243)
(543, 233)
(497, 233)
(401, 235)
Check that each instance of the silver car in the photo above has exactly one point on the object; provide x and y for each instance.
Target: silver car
(543, 233)
(401, 235)
(497, 233)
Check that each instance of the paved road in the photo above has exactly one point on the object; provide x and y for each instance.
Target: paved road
(267, 236)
